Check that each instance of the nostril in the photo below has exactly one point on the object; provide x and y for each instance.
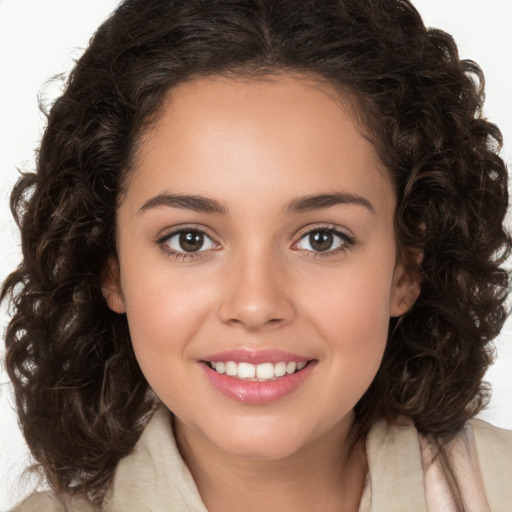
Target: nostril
(255, 303)
(253, 322)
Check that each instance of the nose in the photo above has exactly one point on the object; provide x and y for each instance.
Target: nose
(256, 293)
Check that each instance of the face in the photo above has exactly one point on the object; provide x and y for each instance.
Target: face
(257, 262)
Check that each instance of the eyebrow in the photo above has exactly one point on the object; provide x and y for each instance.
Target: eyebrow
(322, 201)
(187, 202)
(299, 205)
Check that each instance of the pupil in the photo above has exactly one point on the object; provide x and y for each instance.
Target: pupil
(191, 241)
(321, 240)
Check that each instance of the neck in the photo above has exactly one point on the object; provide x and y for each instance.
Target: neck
(326, 475)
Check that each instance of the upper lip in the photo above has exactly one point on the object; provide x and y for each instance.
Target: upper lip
(243, 355)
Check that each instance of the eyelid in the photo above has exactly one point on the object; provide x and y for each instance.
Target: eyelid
(342, 232)
(166, 234)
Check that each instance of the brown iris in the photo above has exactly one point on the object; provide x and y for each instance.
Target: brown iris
(191, 241)
(321, 240)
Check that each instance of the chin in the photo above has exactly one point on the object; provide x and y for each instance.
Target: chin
(260, 440)
(258, 449)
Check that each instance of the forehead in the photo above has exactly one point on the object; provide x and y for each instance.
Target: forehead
(216, 133)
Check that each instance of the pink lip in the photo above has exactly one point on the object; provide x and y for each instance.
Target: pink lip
(256, 393)
(242, 355)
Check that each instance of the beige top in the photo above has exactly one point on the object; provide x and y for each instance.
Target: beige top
(402, 477)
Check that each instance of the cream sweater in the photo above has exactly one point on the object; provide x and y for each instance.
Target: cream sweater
(402, 477)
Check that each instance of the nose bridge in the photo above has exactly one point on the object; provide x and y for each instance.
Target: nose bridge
(255, 293)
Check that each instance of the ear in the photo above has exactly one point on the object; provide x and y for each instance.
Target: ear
(406, 282)
(111, 286)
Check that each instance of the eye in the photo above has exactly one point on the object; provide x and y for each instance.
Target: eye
(324, 240)
(188, 241)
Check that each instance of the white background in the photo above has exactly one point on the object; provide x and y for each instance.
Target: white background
(40, 38)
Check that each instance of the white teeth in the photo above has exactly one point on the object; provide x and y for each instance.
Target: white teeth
(280, 369)
(262, 372)
(246, 371)
(231, 368)
(291, 367)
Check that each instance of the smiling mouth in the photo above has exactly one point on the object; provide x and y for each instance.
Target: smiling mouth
(263, 372)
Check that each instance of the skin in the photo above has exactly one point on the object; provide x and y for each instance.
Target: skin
(255, 146)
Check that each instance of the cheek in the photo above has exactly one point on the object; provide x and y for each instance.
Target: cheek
(163, 317)
(164, 310)
(357, 336)
(352, 312)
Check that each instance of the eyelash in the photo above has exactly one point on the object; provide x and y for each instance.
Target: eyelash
(348, 242)
(162, 242)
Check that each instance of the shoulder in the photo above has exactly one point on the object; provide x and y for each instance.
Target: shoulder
(404, 467)
(480, 456)
(494, 449)
(40, 502)
(395, 467)
(494, 452)
(48, 502)
(154, 476)
(489, 436)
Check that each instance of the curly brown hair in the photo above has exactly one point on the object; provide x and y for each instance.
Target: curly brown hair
(82, 399)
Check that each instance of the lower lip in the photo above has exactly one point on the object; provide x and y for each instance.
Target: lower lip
(254, 392)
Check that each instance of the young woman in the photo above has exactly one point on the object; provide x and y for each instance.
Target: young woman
(262, 266)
